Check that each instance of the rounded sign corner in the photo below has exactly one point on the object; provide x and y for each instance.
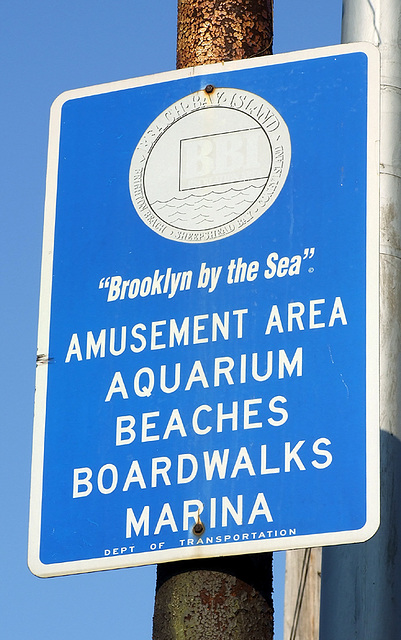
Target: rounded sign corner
(371, 528)
(36, 567)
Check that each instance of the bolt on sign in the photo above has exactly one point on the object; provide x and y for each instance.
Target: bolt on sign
(208, 337)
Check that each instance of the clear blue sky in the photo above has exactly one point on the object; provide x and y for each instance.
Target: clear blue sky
(48, 47)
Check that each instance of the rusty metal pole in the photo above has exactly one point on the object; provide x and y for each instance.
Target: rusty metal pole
(218, 598)
(215, 599)
(211, 31)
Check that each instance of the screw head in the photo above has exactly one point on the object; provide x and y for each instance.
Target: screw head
(198, 528)
(209, 88)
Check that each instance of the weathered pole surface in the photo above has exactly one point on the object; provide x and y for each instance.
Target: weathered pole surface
(220, 30)
(361, 584)
(227, 597)
(215, 598)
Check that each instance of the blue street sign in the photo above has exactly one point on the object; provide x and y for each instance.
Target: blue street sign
(208, 340)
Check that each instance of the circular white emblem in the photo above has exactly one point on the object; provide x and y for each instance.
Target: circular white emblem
(209, 165)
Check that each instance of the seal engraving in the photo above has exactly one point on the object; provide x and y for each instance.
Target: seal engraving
(209, 165)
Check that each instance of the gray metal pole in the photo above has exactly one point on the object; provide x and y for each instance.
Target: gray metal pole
(361, 584)
(217, 598)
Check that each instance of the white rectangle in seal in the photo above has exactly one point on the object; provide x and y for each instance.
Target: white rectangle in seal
(223, 158)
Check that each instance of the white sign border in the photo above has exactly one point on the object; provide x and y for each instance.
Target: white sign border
(372, 327)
